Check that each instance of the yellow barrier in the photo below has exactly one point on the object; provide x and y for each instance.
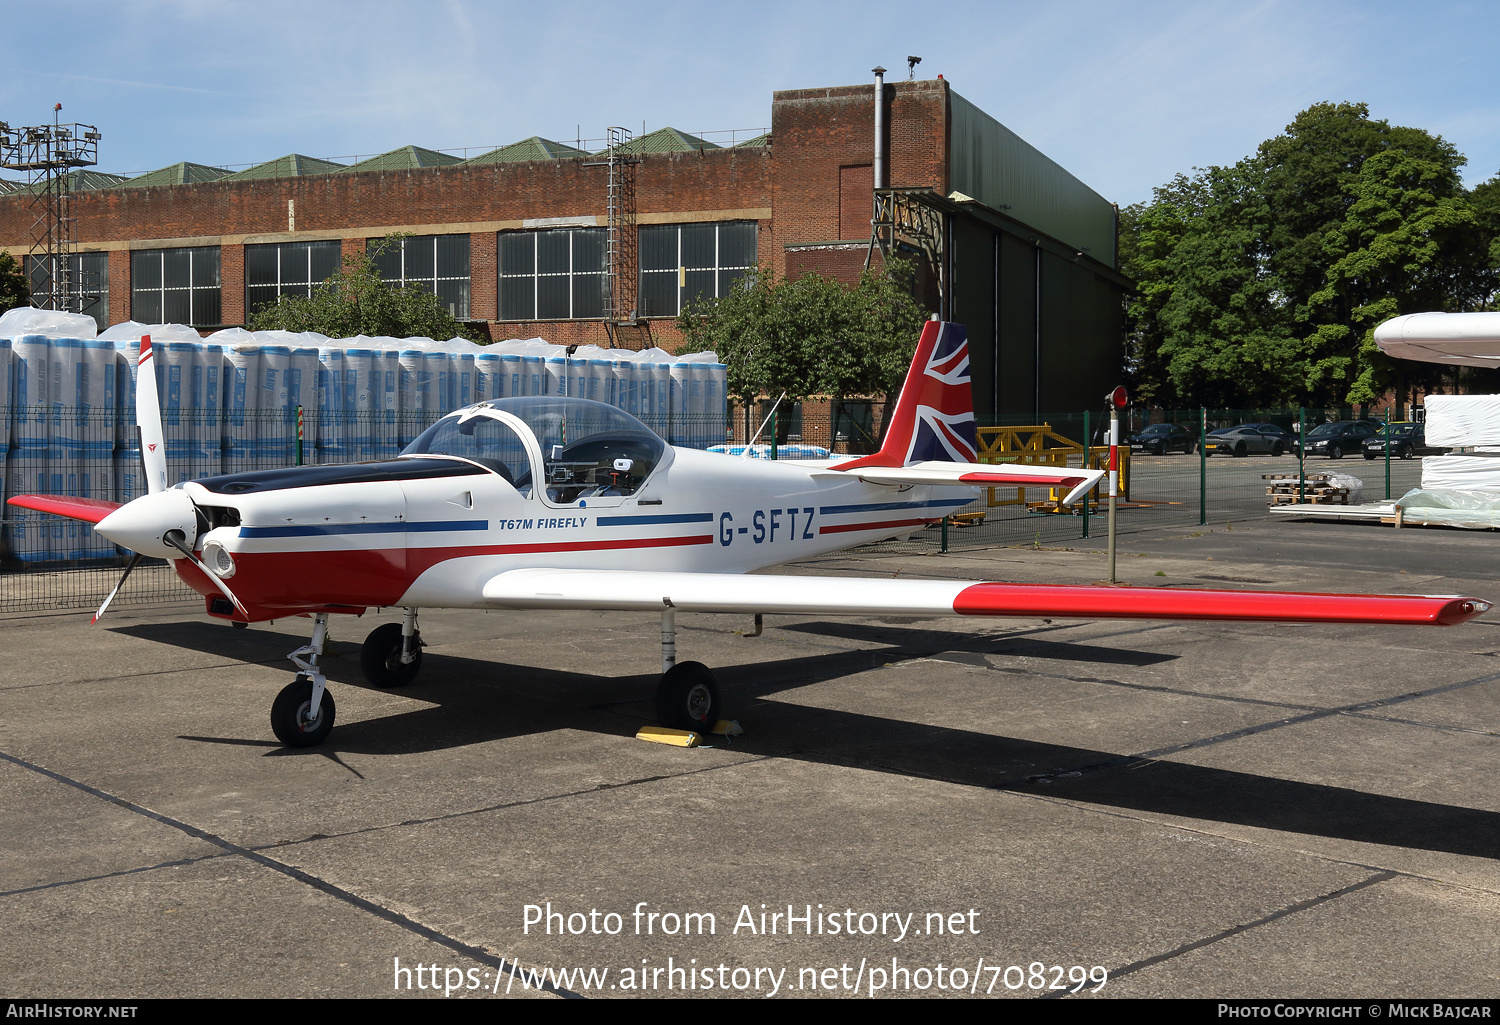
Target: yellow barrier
(1042, 446)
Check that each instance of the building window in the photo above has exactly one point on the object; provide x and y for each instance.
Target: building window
(681, 263)
(435, 263)
(175, 286)
(87, 289)
(552, 275)
(287, 268)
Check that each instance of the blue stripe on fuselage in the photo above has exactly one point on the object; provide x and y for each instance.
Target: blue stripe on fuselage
(636, 521)
(393, 527)
(937, 503)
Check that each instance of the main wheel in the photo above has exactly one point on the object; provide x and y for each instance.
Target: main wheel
(1276, 449)
(380, 658)
(688, 698)
(1407, 452)
(290, 718)
(1335, 452)
(1240, 451)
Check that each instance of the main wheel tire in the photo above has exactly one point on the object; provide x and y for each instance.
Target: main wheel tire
(1335, 452)
(1407, 452)
(1276, 449)
(289, 715)
(1240, 451)
(688, 698)
(380, 658)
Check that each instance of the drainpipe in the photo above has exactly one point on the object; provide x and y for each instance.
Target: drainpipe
(880, 181)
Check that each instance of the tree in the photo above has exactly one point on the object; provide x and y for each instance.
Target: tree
(1261, 283)
(355, 301)
(14, 289)
(811, 335)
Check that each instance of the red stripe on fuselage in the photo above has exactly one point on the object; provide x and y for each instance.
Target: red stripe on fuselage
(274, 583)
(842, 528)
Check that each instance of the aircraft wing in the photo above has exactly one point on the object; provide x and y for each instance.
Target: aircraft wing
(982, 475)
(90, 510)
(643, 591)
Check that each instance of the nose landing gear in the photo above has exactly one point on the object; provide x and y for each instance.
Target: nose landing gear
(302, 714)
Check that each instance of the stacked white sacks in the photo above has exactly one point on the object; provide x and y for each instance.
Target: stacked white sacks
(229, 402)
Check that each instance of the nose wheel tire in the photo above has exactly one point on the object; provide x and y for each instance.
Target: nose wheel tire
(292, 719)
(688, 698)
(380, 658)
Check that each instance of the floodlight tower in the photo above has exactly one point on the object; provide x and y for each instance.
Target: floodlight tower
(48, 154)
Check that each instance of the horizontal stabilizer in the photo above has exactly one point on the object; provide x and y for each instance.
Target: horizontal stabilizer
(629, 590)
(90, 510)
(983, 475)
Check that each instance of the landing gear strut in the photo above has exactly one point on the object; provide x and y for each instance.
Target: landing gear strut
(392, 654)
(302, 714)
(688, 696)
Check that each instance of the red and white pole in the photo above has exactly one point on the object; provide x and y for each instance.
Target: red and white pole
(1117, 400)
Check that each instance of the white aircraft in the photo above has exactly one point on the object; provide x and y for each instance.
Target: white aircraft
(549, 502)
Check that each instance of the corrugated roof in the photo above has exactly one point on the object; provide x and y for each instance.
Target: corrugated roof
(82, 180)
(183, 173)
(534, 148)
(667, 140)
(405, 159)
(290, 166)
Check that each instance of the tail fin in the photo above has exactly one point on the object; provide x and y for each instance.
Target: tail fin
(934, 418)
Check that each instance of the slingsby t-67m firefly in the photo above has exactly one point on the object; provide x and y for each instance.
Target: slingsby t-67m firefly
(550, 502)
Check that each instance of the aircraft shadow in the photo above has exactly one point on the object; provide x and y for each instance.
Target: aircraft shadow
(475, 701)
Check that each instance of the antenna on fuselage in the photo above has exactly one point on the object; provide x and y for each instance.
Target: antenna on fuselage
(750, 444)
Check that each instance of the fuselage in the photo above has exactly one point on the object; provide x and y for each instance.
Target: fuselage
(429, 530)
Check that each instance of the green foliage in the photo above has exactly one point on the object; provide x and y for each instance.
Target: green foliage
(810, 336)
(14, 289)
(1261, 284)
(355, 301)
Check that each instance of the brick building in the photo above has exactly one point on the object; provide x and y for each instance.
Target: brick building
(515, 242)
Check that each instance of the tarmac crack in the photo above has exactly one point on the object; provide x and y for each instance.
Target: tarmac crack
(323, 886)
(1292, 909)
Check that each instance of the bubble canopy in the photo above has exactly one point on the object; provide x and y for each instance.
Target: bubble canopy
(588, 450)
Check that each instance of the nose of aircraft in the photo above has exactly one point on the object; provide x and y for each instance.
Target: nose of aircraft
(141, 524)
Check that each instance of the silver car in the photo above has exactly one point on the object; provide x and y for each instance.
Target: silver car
(1246, 439)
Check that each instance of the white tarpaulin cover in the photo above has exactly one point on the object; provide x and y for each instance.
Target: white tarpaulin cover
(1459, 421)
(1466, 473)
(1451, 507)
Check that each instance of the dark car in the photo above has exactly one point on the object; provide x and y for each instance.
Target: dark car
(1248, 439)
(1159, 439)
(1406, 439)
(1336, 439)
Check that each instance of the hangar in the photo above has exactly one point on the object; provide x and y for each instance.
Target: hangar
(544, 238)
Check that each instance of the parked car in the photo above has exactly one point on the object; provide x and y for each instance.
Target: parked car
(1248, 438)
(1407, 440)
(1335, 439)
(1159, 439)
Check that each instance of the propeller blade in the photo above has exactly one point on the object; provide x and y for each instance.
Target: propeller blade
(177, 540)
(135, 558)
(148, 420)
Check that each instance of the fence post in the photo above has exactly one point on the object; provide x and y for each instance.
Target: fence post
(773, 432)
(1202, 466)
(1387, 430)
(299, 435)
(1088, 440)
(945, 534)
(1301, 454)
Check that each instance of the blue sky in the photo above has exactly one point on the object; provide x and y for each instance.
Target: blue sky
(1124, 95)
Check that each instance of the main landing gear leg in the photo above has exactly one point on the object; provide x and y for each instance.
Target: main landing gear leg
(688, 696)
(302, 714)
(392, 654)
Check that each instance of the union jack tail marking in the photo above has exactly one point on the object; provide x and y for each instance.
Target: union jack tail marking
(934, 418)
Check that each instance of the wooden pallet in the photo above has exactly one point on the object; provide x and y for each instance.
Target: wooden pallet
(1314, 489)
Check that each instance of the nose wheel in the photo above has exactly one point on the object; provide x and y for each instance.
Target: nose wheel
(293, 718)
